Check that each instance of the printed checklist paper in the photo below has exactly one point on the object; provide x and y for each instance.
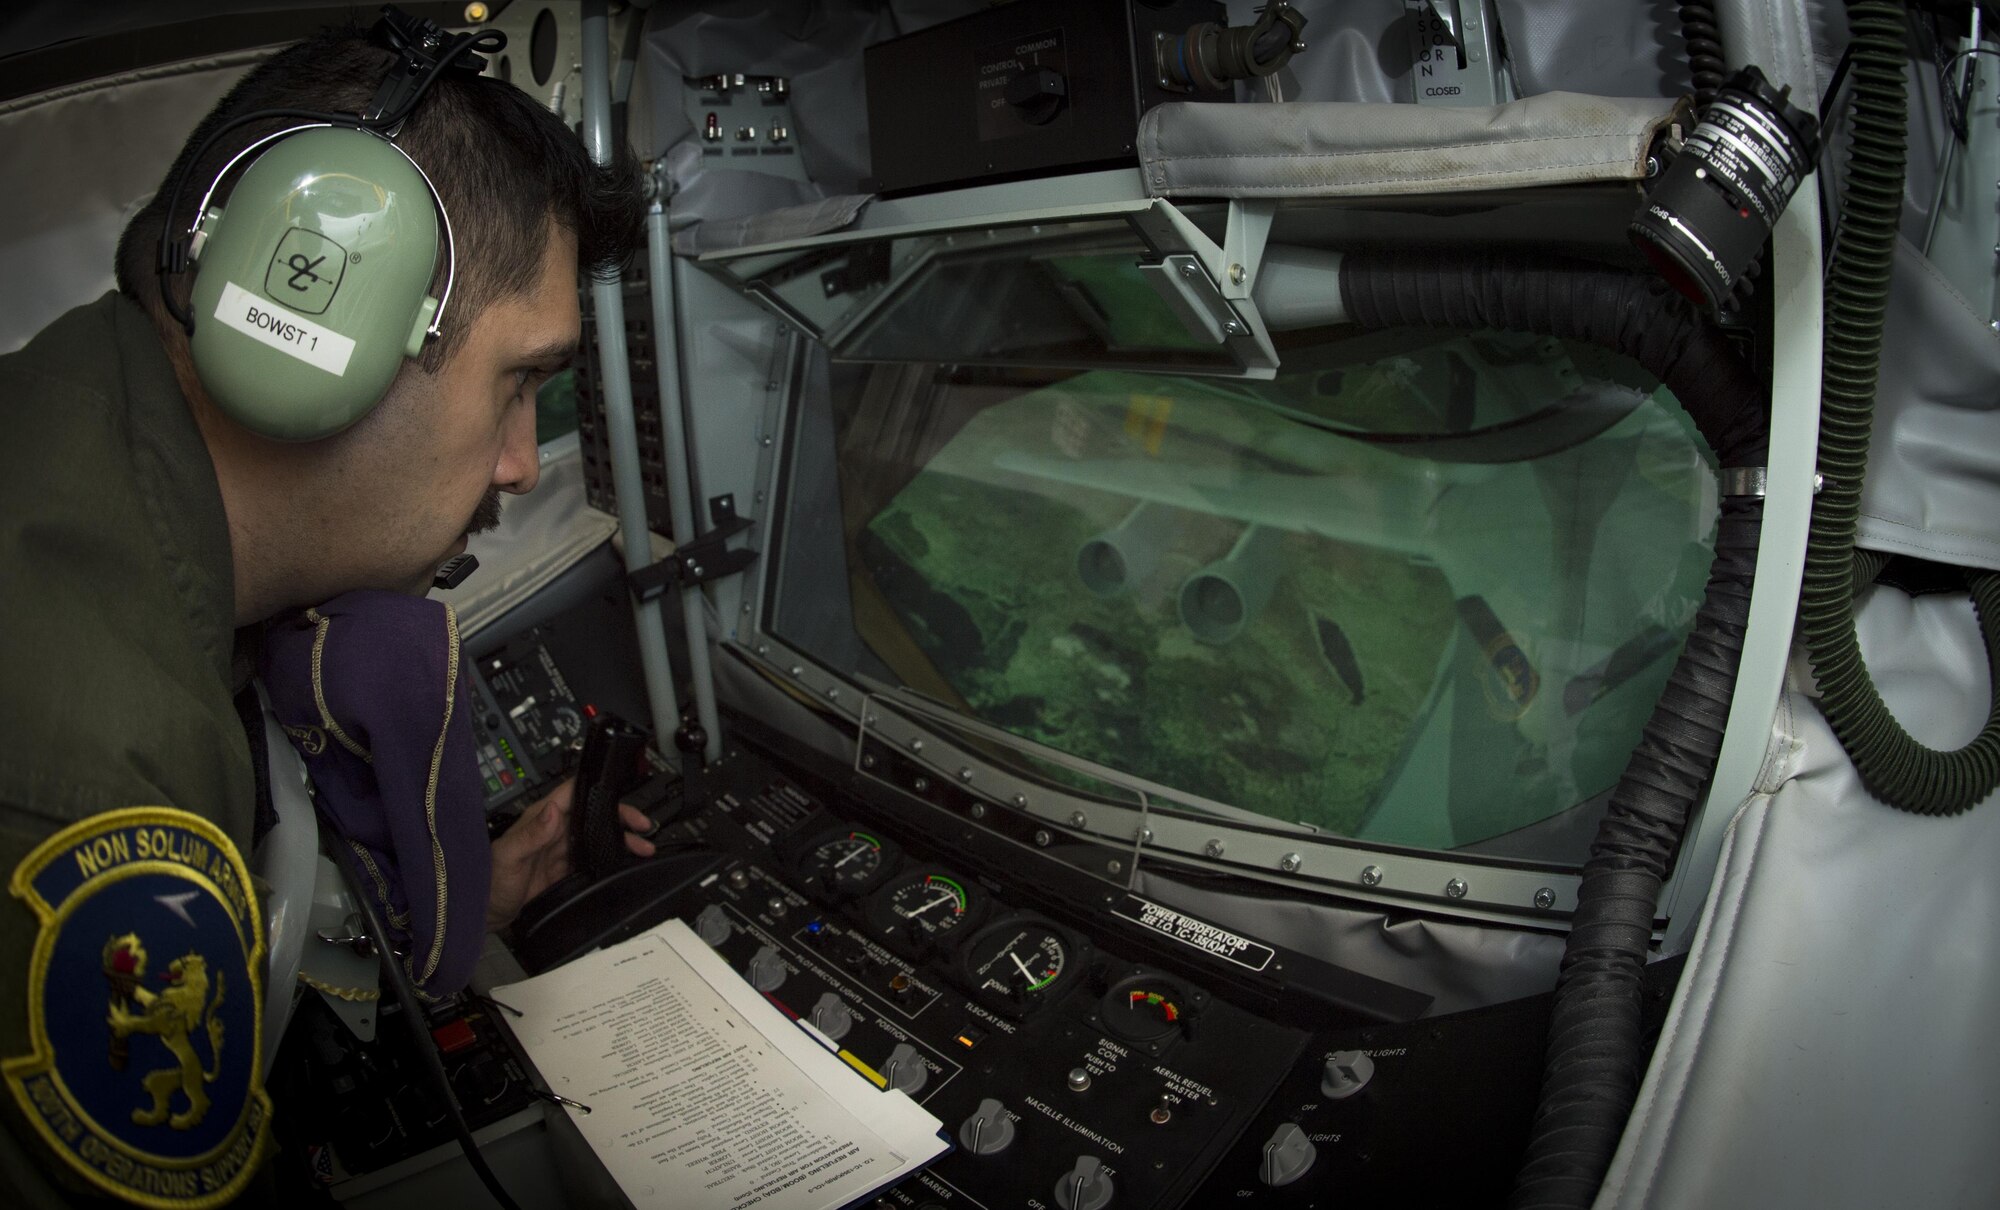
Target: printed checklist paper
(703, 1096)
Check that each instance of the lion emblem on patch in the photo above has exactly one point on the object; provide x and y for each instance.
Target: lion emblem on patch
(176, 1014)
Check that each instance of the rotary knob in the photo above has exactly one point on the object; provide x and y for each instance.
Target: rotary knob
(712, 926)
(1347, 1072)
(1287, 1156)
(905, 1071)
(766, 970)
(989, 1130)
(1037, 94)
(1084, 1187)
(831, 1016)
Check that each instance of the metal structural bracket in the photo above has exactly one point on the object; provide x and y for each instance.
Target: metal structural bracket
(708, 557)
(1192, 296)
(656, 183)
(1243, 240)
(1209, 286)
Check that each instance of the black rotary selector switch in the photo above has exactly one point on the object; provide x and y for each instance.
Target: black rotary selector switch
(1037, 94)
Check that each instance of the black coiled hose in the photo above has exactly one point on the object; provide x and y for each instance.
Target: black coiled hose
(1895, 767)
(1704, 49)
(1594, 1058)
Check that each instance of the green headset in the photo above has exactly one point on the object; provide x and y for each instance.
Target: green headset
(312, 286)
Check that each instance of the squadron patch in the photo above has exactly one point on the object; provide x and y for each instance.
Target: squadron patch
(145, 1006)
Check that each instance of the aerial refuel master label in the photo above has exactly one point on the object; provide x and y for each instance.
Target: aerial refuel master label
(1196, 934)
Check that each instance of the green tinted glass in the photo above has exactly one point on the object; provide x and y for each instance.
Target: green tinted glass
(1421, 590)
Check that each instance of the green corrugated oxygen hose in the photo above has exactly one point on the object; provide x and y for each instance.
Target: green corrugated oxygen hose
(1895, 768)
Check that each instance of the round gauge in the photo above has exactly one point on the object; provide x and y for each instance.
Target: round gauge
(1146, 1008)
(568, 723)
(849, 860)
(1019, 959)
(926, 905)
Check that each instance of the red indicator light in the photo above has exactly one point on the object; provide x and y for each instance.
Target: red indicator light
(453, 1036)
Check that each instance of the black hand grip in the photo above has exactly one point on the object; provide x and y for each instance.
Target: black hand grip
(612, 765)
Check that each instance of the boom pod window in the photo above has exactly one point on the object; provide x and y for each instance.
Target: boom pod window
(1423, 589)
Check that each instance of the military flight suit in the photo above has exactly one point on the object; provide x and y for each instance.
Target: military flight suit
(116, 634)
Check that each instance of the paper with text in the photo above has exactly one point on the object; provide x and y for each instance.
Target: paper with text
(704, 1096)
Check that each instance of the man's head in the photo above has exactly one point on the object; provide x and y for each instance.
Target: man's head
(380, 504)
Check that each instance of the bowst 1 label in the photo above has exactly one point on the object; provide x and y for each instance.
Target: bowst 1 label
(284, 329)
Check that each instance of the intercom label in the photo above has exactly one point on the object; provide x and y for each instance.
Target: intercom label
(284, 330)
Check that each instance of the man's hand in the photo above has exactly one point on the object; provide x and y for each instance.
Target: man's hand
(532, 854)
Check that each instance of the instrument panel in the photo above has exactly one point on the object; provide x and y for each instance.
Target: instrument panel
(1067, 1068)
(1083, 1045)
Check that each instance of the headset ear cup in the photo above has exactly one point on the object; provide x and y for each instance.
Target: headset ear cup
(309, 285)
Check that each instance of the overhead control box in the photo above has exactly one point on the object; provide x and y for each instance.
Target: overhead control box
(1029, 88)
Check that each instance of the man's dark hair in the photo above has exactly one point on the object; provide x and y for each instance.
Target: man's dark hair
(504, 166)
